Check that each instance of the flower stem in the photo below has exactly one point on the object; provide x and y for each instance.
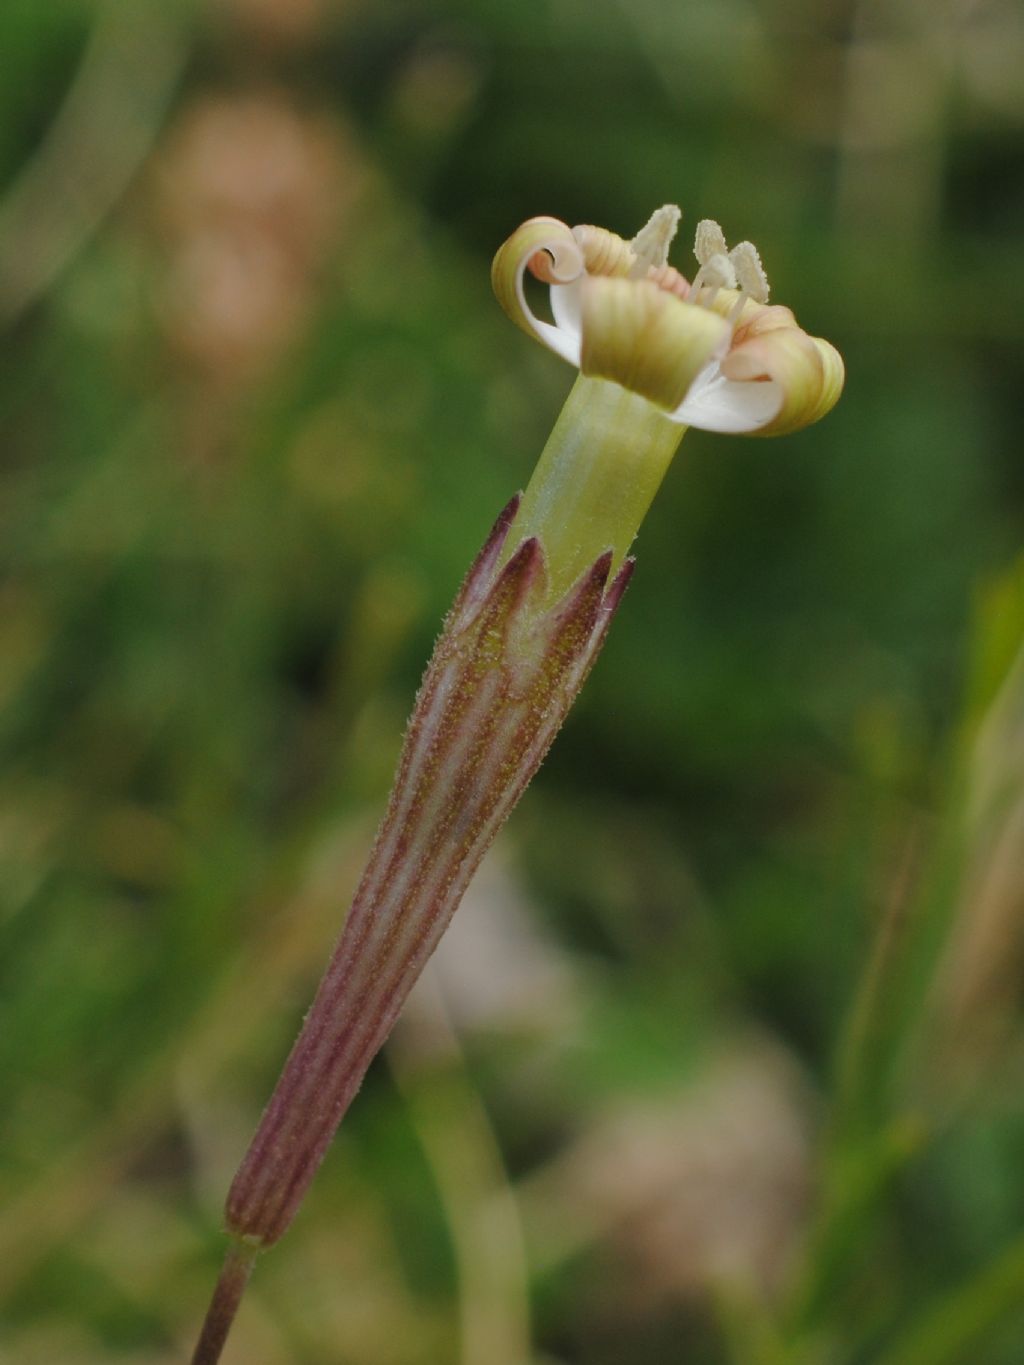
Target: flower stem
(234, 1276)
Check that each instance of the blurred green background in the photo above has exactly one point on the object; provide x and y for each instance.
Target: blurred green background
(722, 1061)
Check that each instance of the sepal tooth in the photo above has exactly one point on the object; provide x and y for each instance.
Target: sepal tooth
(481, 572)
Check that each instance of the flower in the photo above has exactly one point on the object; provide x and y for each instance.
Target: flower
(656, 353)
(710, 353)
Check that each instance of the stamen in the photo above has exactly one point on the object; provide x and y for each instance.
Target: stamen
(717, 273)
(651, 243)
(750, 272)
(709, 241)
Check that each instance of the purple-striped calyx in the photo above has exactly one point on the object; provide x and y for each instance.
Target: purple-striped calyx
(505, 671)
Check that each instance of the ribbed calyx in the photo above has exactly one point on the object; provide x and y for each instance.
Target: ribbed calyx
(505, 671)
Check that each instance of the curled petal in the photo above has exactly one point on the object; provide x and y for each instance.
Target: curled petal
(806, 372)
(566, 304)
(747, 316)
(667, 277)
(551, 251)
(604, 252)
(755, 319)
(646, 339)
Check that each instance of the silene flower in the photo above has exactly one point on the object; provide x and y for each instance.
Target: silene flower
(656, 353)
(710, 352)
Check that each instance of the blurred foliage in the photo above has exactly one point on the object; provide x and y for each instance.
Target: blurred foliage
(722, 1059)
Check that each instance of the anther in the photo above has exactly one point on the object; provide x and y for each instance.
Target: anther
(749, 271)
(709, 241)
(716, 268)
(650, 245)
(718, 272)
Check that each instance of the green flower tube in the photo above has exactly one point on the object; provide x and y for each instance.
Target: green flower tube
(597, 475)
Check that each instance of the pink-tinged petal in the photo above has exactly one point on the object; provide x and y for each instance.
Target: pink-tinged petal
(806, 371)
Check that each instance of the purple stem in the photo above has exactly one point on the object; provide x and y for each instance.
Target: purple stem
(234, 1276)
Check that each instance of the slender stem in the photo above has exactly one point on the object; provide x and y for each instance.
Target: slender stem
(234, 1276)
(866, 1039)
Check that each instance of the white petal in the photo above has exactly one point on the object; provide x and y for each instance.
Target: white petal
(562, 342)
(566, 306)
(715, 403)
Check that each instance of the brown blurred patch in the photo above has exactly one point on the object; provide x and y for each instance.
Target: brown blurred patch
(273, 22)
(251, 197)
(700, 1191)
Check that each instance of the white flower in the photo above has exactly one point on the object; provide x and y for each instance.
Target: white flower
(711, 353)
